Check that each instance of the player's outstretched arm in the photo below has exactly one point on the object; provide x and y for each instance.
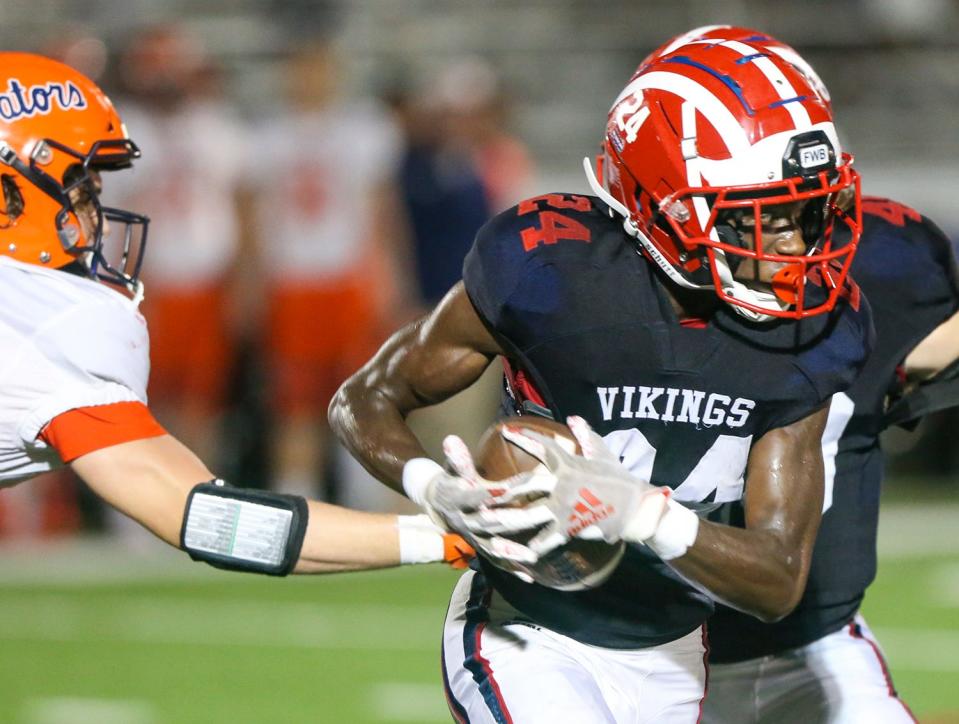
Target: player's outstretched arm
(762, 568)
(150, 480)
(934, 353)
(424, 363)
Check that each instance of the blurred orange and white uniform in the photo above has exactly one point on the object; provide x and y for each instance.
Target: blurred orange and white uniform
(316, 216)
(186, 182)
(73, 379)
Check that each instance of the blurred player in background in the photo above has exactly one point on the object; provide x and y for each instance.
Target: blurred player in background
(443, 196)
(459, 164)
(821, 663)
(696, 315)
(187, 183)
(326, 216)
(476, 106)
(75, 374)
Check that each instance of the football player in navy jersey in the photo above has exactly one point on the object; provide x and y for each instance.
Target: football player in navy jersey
(692, 322)
(821, 663)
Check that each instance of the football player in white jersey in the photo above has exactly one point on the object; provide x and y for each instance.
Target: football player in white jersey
(74, 375)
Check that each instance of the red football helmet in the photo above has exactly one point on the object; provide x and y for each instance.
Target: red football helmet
(717, 131)
(56, 127)
(719, 33)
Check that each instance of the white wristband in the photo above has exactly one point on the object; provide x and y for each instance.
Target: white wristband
(420, 540)
(418, 473)
(675, 533)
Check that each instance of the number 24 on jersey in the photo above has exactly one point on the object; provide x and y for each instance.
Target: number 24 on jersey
(554, 226)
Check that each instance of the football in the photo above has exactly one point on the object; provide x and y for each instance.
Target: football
(575, 566)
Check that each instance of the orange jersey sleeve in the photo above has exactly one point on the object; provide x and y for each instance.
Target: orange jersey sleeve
(85, 429)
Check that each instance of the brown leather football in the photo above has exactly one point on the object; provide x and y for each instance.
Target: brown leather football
(575, 566)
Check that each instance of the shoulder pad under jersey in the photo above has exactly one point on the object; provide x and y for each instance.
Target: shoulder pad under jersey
(833, 362)
(563, 229)
(905, 263)
(82, 326)
(106, 341)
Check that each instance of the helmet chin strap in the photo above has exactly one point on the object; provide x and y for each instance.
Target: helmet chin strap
(738, 290)
(629, 226)
(731, 286)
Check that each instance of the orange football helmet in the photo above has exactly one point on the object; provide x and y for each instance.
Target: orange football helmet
(56, 126)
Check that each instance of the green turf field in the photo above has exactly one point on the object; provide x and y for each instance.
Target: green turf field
(98, 636)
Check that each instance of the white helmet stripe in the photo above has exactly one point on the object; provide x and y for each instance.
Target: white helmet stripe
(693, 170)
(784, 89)
(692, 35)
(705, 102)
(791, 56)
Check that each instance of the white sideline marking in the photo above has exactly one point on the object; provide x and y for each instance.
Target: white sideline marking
(95, 559)
(74, 710)
(905, 530)
(214, 623)
(402, 701)
(920, 649)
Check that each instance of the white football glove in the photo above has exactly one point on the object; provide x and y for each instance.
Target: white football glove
(464, 502)
(593, 496)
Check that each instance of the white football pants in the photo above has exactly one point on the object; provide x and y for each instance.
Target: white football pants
(500, 671)
(839, 679)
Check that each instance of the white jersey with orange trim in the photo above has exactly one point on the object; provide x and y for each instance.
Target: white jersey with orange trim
(68, 342)
(317, 174)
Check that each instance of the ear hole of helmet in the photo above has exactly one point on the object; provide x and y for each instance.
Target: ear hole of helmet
(74, 175)
(12, 198)
(728, 235)
(812, 222)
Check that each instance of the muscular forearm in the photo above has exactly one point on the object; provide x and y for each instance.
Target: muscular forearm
(422, 364)
(761, 569)
(382, 442)
(151, 479)
(751, 570)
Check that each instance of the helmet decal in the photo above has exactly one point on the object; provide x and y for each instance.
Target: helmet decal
(23, 102)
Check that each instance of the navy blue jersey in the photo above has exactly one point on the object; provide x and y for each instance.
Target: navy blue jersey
(905, 267)
(587, 319)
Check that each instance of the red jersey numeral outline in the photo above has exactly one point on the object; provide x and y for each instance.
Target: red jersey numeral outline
(849, 291)
(553, 226)
(891, 211)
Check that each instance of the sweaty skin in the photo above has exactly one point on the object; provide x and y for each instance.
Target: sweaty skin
(761, 569)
